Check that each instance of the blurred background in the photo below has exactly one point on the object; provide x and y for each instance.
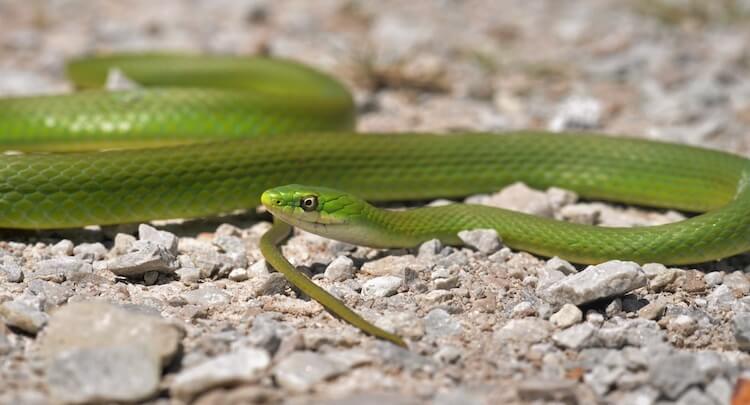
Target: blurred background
(669, 69)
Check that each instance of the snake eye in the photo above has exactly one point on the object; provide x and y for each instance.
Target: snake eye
(309, 203)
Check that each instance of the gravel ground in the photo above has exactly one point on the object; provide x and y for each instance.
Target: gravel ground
(179, 312)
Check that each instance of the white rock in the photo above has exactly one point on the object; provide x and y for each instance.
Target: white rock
(341, 268)
(517, 197)
(683, 324)
(608, 279)
(567, 316)
(486, 241)
(62, 248)
(379, 287)
(523, 309)
(238, 274)
(188, 274)
(21, 315)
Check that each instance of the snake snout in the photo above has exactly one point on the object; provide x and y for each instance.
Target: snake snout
(271, 199)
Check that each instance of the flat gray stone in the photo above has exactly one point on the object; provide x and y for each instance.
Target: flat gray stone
(300, 371)
(240, 366)
(59, 269)
(125, 373)
(96, 324)
(144, 256)
(605, 280)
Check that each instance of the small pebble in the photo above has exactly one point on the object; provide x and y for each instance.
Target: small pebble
(567, 316)
(380, 287)
(62, 248)
(341, 268)
(428, 250)
(389, 265)
(21, 315)
(164, 239)
(123, 243)
(653, 310)
(150, 277)
(439, 323)
(188, 275)
(614, 307)
(558, 264)
(238, 275)
(714, 278)
(683, 324)
(576, 336)
(524, 330)
(90, 251)
(486, 241)
(10, 270)
(523, 309)
(207, 295)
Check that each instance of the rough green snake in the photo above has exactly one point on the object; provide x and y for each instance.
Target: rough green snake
(208, 135)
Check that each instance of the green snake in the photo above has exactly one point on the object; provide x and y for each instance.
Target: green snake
(207, 135)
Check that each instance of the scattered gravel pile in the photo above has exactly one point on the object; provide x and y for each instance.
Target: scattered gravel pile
(190, 311)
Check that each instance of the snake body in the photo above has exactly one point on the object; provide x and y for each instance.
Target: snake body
(208, 135)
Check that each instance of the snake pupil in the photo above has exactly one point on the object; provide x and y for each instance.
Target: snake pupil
(309, 203)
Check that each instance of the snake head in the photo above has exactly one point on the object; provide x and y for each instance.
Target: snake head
(314, 209)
